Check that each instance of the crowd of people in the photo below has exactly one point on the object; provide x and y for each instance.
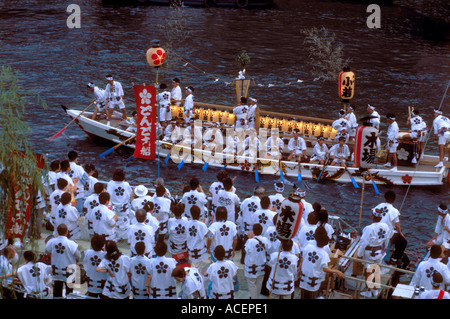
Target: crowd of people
(193, 241)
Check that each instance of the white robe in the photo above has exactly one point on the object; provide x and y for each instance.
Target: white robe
(117, 287)
(162, 284)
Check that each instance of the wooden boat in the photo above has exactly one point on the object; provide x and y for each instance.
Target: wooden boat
(422, 174)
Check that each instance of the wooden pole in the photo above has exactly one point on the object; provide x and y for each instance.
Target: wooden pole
(274, 273)
(361, 205)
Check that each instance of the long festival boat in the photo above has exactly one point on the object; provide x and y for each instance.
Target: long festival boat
(421, 174)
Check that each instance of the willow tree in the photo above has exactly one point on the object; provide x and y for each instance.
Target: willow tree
(20, 177)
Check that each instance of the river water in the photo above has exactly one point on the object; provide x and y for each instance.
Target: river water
(395, 66)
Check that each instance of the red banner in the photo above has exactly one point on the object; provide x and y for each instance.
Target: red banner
(145, 96)
(19, 215)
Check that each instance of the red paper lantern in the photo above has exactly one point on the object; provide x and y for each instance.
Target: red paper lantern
(156, 55)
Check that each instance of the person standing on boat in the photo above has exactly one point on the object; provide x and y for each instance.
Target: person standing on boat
(320, 152)
(340, 153)
(165, 111)
(391, 217)
(252, 113)
(351, 118)
(376, 118)
(342, 125)
(373, 245)
(441, 127)
(241, 112)
(442, 229)
(392, 143)
(114, 96)
(175, 94)
(418, 132)
(100, 100)
(189, 104)
(296, 147)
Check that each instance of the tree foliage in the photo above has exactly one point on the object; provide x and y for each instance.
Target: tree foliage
(19, 177)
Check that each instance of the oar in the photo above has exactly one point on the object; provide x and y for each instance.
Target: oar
(351, 178)
(299, 177)
(59, 133)
(374, 184)
(112, 149)
(323, 168)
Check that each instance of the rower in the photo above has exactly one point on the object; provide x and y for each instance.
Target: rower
(114, 96)
(172, 132)
(296, 146)
(320, 151)
(417, 132)
(340, 153)
(392, 143)
(100, 100)
(441, 126)
(274, 147)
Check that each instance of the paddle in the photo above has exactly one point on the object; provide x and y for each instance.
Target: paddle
(323, 168)
(112, 149)
(60, 132)
(299, 176)
(374, 184)
(351, 178)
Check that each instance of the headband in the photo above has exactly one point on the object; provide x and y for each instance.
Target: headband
(91, 85)
(187, 88)
(437, 111)
(109, 78)
(279, 187)
(372, 107)
(300, 192)
(442, 211)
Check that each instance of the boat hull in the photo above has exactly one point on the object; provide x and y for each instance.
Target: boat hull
(427, 175)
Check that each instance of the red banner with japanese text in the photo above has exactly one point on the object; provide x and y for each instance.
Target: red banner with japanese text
(19, 214)
(145, 97)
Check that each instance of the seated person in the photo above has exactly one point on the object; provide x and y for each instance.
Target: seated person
(320, 152)
(340, 153)
(296, 147)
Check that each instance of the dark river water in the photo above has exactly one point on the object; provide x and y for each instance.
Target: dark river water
(395, 66)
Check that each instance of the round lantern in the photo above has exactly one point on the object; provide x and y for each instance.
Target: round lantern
(156, 55)
(289, 218)
(346, 84)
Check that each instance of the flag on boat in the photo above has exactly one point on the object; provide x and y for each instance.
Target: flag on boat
(145, 97)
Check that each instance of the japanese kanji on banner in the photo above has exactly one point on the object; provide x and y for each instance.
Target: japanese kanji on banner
(145, 146)
(346, 85)
(289, 218)
(365, 146)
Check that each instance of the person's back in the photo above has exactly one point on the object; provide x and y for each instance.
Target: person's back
(197, 232)
(422, 276)
(162, 284)
(92, 258)
(138, 270)
(34, 276)
(141, 232)
(67, 214)
(221, 274)
(177, 231)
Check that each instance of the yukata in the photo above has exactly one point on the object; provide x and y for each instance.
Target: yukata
(221, 275)
(196, 240)
(343, 127)
(117, 287)
(55, 200)
(64, 254)
(254, 264)
(392, 136)
(139, 273)
(229, 200)
(162, 211)
(424, 273)
(162, 284)
(272, 237)
(248, 206)
(374, 241)
(283, 282)
(114, 95)
(95, 280)
(165, 111)
(305, 236)
(139, 202)
(188, 108)
(276, 200)
(192, 287)
(264, 217)
(223, 233)
(418, 128)
(241, 116)
(319, 152)
(120, 193)
(90, 204)
(298, 146)
(69, 215)
(141, 232)
(33, 277)
(103, 222)
(177, 232)
(194, 197)
(340, 153)
(315, 259)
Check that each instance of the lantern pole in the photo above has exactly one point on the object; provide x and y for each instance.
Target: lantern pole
(155, 57)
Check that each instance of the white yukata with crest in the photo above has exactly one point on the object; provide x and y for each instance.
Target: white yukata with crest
(90, 204)
(34, 277)
(285, 275)
(141, 232)
(162, 284)
(120, 193)
(177, 232)
(196, 240)
(64, 252)
(69, 215)
(256, 249)
(194, 197)
(192, 287)
(139, 273)
(276, 200)
(117, 287)
(223, 233)
(229, 200)
(264, 217)
(221, 275)
(161, 212)
(314, 260)
(96, 280)
(248, 207)
(374, 240)
(103, 222)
